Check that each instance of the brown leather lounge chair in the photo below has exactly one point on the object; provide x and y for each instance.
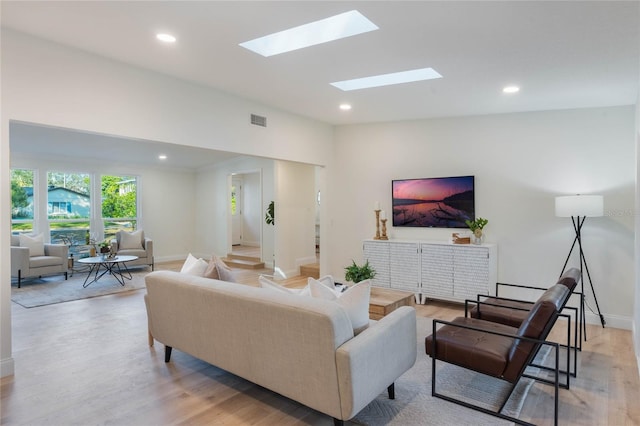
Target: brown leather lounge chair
(499, 350)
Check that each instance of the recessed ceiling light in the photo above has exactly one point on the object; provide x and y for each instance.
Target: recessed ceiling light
(162, 157)
(333, 28)
(345, 107)
(511, 89)
(167, 38)
(387, 79)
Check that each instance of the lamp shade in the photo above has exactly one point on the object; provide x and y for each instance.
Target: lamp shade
(579, 205)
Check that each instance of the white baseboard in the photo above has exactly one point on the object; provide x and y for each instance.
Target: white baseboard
(7, 367)
(251, 243)
(614, 321)
(306, 260)
(175, 257)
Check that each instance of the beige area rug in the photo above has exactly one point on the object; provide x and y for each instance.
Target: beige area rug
(55, 289)
(414, 404)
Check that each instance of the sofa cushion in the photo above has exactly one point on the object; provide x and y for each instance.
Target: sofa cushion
(355, 301)
(42, 261)
(130, 240)
(272, 285)
(34, 243)
(194, 266)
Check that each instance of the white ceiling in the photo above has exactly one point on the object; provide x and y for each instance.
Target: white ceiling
(569, 54)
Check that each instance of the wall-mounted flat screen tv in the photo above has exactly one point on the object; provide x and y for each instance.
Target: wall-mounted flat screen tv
(433, 202)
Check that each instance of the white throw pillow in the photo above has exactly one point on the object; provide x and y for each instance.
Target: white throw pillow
(224, 272)
(194, 266)
(326, 281)
(131, 240)
(266, 283)
(34, 243)
(355, 301)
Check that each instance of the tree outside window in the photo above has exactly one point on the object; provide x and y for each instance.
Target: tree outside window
(119, 204)
(21, 200)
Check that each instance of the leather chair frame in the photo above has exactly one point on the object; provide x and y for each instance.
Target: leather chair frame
(555, 347)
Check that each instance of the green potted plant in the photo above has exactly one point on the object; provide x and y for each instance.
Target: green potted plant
(270, 216)
(476, 226)
(105, 246)
(358, 273)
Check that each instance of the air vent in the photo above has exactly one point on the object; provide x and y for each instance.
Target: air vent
(258, 120)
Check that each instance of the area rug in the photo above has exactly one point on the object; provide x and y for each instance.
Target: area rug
(414, 404)
(55, 289)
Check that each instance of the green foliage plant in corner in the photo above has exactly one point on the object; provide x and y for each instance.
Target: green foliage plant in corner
(270, 216)
(358, 273)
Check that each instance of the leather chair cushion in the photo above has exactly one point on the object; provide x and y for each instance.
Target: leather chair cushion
(503, 314)
(477, 350)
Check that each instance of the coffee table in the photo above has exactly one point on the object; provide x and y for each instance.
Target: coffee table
(383, 301)
(115, 266)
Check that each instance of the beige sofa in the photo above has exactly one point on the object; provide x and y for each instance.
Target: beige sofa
(23, 265)
(300, 347)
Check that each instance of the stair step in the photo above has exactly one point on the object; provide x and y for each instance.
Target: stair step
(310, 270)
(243, 263)
(243, 257)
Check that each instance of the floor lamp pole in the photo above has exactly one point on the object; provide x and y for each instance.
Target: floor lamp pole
(578, 221)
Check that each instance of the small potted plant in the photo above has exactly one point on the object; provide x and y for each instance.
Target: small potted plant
(476, 227)
(358, 273)
(105, 247)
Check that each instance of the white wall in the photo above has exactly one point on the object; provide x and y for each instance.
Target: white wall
(636, 322)
(520, 163)
(212, 222)
(295, 212)
(45, 83)
(252, 215)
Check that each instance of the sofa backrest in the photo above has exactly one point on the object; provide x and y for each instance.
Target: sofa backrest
(274, 339)
(536, 325)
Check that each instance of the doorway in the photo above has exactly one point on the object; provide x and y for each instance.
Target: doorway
(246, 200)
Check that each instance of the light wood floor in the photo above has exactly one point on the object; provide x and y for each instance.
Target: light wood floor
(87, 362)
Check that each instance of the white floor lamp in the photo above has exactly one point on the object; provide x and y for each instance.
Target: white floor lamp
(578, 207)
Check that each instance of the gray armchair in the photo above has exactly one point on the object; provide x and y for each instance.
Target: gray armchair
(122, 245)
(54, 261)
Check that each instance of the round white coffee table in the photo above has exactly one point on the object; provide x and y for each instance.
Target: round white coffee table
(115, 266)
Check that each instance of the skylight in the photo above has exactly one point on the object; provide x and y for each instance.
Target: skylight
(387, 79)
(333, 28)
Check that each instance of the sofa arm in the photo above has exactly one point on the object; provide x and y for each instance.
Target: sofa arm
(374, 359)
(56, 250)
(19, 260)
(148, 247)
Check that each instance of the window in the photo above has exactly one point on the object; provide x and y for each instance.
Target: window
(22, 201)
(234, 200)
(68, 206)
(119, 204)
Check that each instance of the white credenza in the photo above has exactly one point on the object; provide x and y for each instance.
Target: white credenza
(433, 269)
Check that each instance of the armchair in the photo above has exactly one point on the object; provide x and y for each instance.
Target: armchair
(513, 312)
(52, 261)
(499, 350)
(134, 244)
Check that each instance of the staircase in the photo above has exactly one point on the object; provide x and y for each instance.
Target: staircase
(243, 262)
(310, 270)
